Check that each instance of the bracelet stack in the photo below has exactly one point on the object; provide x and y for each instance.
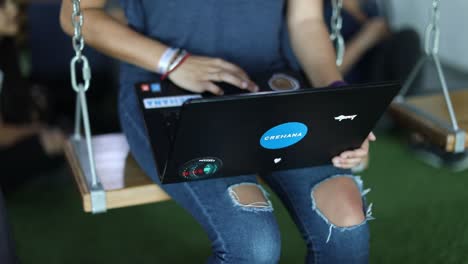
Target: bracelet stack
(170, 60)
(166, 59)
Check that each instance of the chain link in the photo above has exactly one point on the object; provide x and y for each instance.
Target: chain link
(336, 26)
(432, 40)
(432, 34)
(97, 193)
(78, 46)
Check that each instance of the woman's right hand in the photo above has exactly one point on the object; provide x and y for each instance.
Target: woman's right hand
(198, 74)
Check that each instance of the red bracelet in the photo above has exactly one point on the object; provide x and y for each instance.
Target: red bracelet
(164, 76)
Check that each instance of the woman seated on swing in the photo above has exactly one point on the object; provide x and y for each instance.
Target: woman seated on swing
(230, 41)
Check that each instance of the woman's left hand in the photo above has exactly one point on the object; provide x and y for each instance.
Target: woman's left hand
(351, 159)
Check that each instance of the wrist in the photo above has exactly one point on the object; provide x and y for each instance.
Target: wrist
(181, 57)
(166, 59)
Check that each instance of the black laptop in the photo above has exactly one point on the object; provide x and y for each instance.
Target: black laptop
(284, 126)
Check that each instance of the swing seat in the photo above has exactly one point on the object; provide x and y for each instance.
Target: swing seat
(124, 183)
(428, 117)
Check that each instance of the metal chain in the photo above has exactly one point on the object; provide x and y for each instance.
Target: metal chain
(432, 34)
(336, 26)
(432, 49)
(78, 46)
(432, 41)
(77, 22)
(81, 88)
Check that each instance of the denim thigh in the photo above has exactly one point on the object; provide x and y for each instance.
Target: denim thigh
(326, 242)
(242, 234)
(238, 234)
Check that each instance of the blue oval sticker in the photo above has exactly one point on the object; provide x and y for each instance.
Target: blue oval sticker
(284, 135)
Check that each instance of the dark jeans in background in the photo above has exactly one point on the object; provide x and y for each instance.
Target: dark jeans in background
(24, 161)
(7, 249)
(391, 60)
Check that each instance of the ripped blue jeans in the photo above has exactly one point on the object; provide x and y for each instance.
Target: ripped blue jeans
(248, 233)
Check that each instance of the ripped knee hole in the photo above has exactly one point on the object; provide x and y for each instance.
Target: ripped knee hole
(249, 195)
(339, 201)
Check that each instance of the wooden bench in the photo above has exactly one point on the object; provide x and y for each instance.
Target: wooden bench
(137, 187)
(428, 116)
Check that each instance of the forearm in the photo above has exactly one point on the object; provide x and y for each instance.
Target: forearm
(373, 32)
(355, 49)
(312, 46)
(113, 38)
(9, 135)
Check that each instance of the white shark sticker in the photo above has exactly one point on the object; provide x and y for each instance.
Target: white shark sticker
(344, 117)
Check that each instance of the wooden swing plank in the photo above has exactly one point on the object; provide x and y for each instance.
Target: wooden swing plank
(139, 188)
(428, 116)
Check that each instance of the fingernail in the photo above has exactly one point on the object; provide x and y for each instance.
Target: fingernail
(245, 84)
(257, 88)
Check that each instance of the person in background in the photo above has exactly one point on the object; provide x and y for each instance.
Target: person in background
(8, 27)
(28, 144)
(374, 52)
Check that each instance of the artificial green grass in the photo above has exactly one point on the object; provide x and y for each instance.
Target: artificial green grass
(421, 218)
